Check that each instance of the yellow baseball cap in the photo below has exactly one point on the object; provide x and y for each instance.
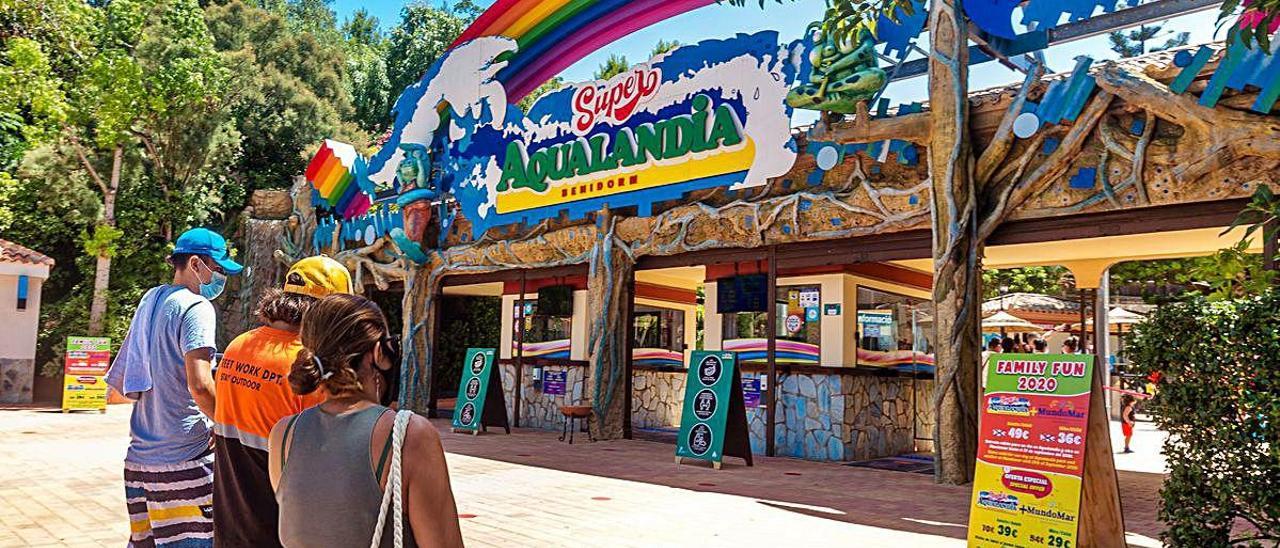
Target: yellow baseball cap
(318, 277)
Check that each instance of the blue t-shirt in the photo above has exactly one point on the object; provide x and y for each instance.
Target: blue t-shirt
(167, 427)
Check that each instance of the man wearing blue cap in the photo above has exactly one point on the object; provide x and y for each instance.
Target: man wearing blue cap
(165, 364)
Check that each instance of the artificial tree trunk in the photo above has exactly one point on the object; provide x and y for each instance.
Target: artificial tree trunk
(422, 292)
(102, 271)
(608, 293)
(956, 248)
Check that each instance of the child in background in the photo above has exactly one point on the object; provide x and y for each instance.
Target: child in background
(1128, 417)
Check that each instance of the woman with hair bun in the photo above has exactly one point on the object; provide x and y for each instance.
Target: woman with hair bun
(329, 463)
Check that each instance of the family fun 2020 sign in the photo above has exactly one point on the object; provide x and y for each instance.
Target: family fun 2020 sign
(705, 115)
(1034, 416)
(84, 382)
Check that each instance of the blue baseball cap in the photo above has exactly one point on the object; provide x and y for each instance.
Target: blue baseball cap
(202, 241)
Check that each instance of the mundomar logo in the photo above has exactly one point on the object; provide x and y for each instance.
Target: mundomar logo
(705, 142)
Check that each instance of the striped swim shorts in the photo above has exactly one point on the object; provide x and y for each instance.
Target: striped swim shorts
(171, 504)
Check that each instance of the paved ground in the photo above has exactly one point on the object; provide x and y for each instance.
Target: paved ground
(60, 486)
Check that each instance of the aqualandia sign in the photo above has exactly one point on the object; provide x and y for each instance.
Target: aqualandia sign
(706, 115)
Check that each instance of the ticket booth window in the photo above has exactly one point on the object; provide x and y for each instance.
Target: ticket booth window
(799, 320)
(658, 328)
(892, 328)
(541, 327)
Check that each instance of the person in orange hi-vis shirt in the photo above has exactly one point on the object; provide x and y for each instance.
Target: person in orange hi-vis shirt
(253, 394)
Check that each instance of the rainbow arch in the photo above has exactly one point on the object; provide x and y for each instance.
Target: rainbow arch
(553, 34)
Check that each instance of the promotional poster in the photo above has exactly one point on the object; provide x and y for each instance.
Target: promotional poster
(1031, 434)
(84, 383)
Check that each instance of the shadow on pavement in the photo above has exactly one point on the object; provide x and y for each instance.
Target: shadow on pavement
(878, 498)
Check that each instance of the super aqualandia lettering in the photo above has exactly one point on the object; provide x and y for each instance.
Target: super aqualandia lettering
(705, 128)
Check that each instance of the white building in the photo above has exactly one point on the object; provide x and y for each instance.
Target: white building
(22, 273)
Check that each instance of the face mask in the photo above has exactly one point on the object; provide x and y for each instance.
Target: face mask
(217, 283)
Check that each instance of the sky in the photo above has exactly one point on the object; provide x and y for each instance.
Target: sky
(789, 18)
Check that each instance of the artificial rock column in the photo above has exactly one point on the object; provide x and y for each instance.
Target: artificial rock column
(608, 295)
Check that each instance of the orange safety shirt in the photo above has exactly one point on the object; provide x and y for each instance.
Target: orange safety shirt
(253, 391)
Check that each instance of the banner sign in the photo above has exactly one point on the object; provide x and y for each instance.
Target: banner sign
(875, 317)
(704, 115)
(84, 384)
(751, 392)
(553, 382)
(1031, 436)
(714, 422)
(475, 407)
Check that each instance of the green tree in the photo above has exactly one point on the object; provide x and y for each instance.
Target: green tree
(1261, 214)
(421, 37)
(314, 17)
(613, 66)
(664, 46)
(848, 19)
(467, 9)
(133, 114)
(288, 91)
(362, 28)
(366, 49)
(1031, 279)
(33, 106)
(154, 82)
(1133, 42)
(1234, 273)
(122, 123)
(43, 45)
(65, 29)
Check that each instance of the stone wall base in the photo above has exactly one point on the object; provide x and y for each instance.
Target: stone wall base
(657, 398)
(16, 378)
(827, 417)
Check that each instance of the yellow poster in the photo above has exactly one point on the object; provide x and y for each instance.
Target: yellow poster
(84, 392)
(1017, 507)
(1031, 434)
(84, 379)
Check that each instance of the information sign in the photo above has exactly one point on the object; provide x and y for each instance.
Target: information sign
(809, 298)
(714, 422)
(478, 406)
(553, 382)
(84, 383)
(751, 392)
(1032, 429)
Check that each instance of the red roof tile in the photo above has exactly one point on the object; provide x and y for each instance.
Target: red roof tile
(14, 253)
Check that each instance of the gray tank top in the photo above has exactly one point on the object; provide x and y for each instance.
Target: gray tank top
(328, 494)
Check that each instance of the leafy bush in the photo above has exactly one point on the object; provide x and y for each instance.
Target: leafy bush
(465, 322)
(1218, 397)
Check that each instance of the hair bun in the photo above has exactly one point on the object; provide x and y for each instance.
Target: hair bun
(305, 376)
